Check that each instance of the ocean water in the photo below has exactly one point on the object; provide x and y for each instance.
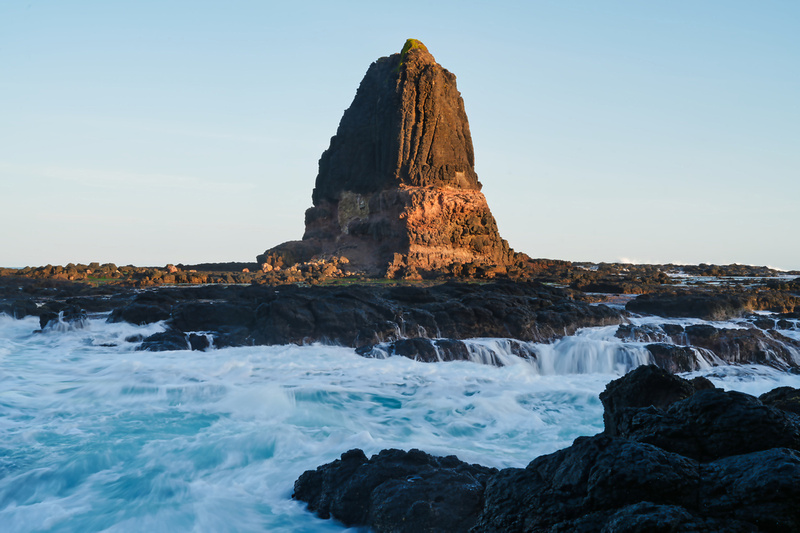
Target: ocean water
(96, 436)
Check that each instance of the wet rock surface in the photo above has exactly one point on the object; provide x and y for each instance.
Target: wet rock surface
(396, 491)
(424, 321)
(680, 349)
(675, 456)
(365, 316)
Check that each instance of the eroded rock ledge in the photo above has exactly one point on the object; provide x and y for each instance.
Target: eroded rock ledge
(675, 456)
(361, 316)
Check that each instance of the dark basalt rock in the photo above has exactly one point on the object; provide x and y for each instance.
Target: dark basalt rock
(764, 323)
(443, 350)
(198, 342)
(674, 347)
(707, 425)
(644, 387)
(609, 484)
(165, 341)
(675, 456)
(69, 315)
(586, 484)
(708, 306)
(148, 307)
(396, 491)
(21, 309)
(745, 346)
(365, 316)
(714, 304)
(139, 313)
(783, 398)
(674, 358)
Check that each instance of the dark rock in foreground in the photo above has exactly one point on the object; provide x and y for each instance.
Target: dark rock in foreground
(412, 489)
(675, 456)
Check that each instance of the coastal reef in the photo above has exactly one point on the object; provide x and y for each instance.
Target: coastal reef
(675, 455)
(696, 322)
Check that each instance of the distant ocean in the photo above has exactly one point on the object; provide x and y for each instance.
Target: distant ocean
(96, 436)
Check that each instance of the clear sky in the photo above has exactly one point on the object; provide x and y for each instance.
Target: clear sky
(156, 132)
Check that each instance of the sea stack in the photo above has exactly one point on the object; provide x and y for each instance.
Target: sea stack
(397, 193)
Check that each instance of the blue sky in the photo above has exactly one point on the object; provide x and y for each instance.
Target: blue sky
(187, 131)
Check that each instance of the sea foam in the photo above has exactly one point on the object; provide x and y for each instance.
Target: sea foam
(98, 436)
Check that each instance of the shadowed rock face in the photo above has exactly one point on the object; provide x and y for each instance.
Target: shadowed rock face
(406, 126)
(397, 191)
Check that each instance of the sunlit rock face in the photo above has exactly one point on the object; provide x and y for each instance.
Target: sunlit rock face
(397, 193)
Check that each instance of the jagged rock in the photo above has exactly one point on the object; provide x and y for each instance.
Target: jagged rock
(396, 491)
(609, 484)
(149, 307)
(164, 341)
(443, 350)
(198, 342)
(784, 398)
(747, 345)
(711, 306)
(644, 387)
(712, 424)
(22, 308)
(764, 323)
(676, 348)
(69, 316)
(397, 193)
(363, 316)
(674, 358)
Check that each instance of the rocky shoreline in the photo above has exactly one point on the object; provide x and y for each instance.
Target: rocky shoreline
(430, 320)
(675, 455)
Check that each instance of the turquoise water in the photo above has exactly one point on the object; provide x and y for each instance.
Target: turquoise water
(95, 436)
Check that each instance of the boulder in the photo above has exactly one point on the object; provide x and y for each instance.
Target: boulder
(645, 386)
(168, 340)
(396, 491)
(784, 398)
(674, 358)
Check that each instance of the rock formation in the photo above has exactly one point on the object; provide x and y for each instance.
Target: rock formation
(675, 456)
(397, 192)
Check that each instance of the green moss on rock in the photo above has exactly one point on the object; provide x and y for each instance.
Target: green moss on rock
(411, 44)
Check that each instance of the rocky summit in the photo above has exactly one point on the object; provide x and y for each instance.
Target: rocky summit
(397, 193)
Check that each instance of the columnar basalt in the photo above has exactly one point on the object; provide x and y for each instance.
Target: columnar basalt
(397, 193)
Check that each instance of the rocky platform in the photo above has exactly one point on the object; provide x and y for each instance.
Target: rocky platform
(675, 455)
(427, 322)
(359, 316)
